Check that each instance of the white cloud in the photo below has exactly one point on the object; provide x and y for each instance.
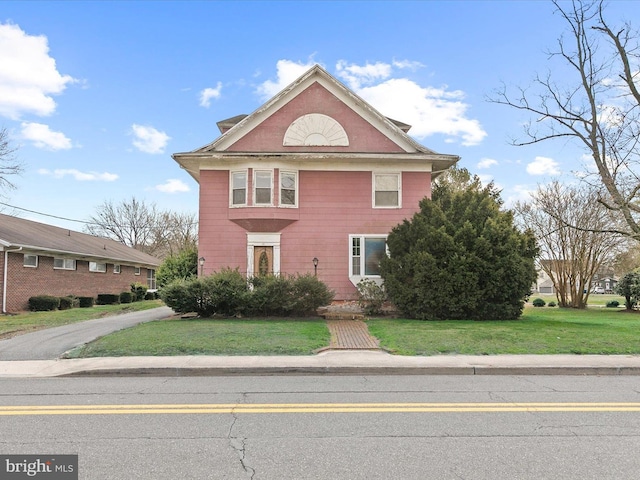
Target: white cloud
(543, 166)
(429, 110)
(208, 93)
(518, 193)
(148, 139)
(287, 72)
(485, 179)
(43, 137)
(487, 163)
(173, 185)
(407, 64)
(28, 75)
(78, 175)
(357, 75)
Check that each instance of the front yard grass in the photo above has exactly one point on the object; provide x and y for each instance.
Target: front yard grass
(212, 337)
(541, 330)
(11, 325)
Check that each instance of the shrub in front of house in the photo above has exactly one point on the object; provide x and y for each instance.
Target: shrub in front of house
(551, 304)
(139, 290)
(86, 302)
(224, 293)
(309, 294)
(43, 303)
(227, 293)
(108, 299)
(613, 304)
(67, 303)
(371, 296)
(126, 297)
(271, 295)
(151, 295)
(538, 302)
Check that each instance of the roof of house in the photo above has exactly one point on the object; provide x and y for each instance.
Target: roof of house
(38, 237)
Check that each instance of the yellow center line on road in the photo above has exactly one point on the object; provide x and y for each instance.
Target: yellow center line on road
(239, 408)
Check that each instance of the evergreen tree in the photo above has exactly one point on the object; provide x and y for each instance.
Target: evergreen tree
(461, 256)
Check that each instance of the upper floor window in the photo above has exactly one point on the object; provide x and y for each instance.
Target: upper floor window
(288, 190)
(97, 267)
(262, 187)
(238, 188)
(386, 190)
(30, 260)
(64, 263)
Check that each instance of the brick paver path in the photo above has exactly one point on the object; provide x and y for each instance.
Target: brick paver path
(350, 335)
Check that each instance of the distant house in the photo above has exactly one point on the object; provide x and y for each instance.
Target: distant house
(311, 182)
(40, 259)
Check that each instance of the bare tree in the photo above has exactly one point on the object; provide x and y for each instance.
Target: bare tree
(143, 227)
(131, 222)
(174, 233)
(9, 163)
(570, 256)
(600, 108)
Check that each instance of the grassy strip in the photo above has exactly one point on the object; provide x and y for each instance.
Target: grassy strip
(212, 337)
(595, 299)
(11, 325)
(540, 331)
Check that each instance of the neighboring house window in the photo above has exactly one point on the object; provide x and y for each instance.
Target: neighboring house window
(136, 271)
(262, 186)
(366, 253)
(151, 278)
(386, 190)
(116, 269)
(238, 188)
(30, 260)
(64, 263)
(97, 267)
(288, 190)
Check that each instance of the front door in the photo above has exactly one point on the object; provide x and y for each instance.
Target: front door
(262, 261)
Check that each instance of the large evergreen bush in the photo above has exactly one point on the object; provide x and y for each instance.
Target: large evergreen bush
(460, 257)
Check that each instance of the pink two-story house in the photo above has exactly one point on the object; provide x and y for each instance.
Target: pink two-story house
(311, 182)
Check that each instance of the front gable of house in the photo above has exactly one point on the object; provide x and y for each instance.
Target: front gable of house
(316, 113)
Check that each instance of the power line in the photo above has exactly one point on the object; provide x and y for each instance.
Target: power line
(47, 215)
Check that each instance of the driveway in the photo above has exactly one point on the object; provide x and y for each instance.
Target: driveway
(51, 343)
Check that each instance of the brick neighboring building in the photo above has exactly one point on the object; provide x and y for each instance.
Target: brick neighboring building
(311, 182)
(40, 259)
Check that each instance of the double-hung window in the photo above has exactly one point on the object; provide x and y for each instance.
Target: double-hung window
(64, 264)
(288, 190)
(366, 253)
(386, 190)
(116, 269)
(238, 188)
(262, 187)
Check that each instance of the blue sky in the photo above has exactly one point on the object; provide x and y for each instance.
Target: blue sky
(98, 95)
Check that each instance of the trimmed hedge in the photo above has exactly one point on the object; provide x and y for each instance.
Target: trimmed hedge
(126, 297)
(86, 302)
(108, 299)
(67, 303)
(43, 303)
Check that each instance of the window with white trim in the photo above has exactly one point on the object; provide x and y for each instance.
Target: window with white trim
(366, 253)
(116, 269)
(288, 189)
(97, 267)
(30, 261)
(238, 188)
(386, 190)
(262, 187)
(64, 264)
(151, 278)
(136, 270)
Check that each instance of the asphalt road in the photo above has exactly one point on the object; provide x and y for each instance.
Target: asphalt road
(51, 343)
(262, 428)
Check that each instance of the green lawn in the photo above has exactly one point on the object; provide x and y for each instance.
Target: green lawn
(595, 299)
(212, 337)
(541, 330)
(11, 325)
